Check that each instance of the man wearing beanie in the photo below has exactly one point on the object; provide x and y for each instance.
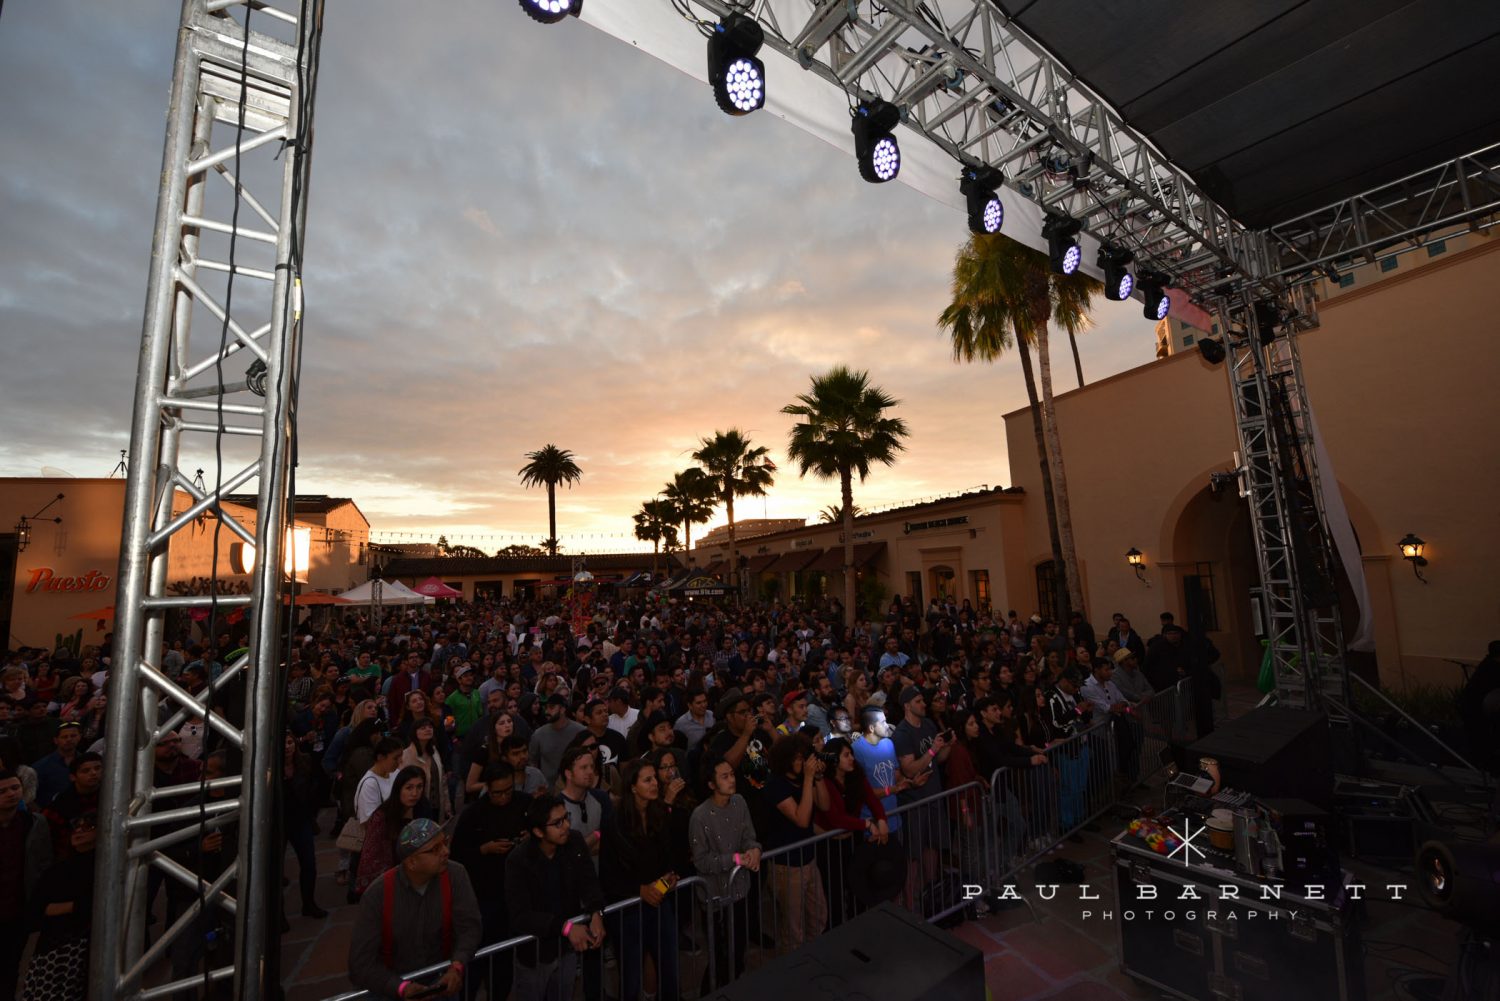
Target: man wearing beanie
(418, 914)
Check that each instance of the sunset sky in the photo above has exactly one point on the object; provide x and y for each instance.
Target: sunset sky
(518, 234)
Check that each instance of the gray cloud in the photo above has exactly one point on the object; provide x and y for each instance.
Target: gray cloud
(517, 235)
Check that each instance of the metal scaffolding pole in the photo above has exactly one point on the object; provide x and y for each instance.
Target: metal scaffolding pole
(255, 86)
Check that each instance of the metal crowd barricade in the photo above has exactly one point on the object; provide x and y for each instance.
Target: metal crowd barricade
(660, 946)
(801, 890)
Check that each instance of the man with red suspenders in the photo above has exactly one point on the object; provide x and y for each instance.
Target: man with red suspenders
(420, 914)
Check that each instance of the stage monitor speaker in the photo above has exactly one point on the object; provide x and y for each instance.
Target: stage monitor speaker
(885, 954)
(1272, 751)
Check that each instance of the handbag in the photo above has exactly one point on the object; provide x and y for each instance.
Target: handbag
(351, 836)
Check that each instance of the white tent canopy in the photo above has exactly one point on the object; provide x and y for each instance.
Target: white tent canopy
(391, 593)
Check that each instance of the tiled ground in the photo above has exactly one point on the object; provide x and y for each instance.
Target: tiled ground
(1047, 952)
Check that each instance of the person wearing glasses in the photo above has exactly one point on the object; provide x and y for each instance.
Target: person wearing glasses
(485, 835)
(553, 893)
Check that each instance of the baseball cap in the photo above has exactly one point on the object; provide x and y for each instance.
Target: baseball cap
(795, 695)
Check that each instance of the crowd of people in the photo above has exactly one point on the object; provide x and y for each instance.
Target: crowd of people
(567, 754)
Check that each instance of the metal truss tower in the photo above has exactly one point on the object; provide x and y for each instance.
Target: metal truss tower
(239, 115)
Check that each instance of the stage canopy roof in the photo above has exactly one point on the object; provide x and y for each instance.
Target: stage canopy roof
(1279, 107)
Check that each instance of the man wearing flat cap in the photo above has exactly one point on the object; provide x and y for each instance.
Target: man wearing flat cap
(421, 913)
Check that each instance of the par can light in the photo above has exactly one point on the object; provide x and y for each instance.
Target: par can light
(738, 77)
(551, 11)
(875, 146)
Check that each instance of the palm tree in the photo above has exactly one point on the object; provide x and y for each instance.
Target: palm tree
(736, 469)
(548, 467)
(844, 430)
(1005, 294)
(656, 522)
(833, 514)
(692, 494)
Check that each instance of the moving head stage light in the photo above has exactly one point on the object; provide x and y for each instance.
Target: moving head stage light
(551, 11)
(875, 146)
(738, 78)
(1118, 282)
(1064, 252)
(979, 186)
(1155, 302)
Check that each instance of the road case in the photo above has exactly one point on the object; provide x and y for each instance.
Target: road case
(1187, 935)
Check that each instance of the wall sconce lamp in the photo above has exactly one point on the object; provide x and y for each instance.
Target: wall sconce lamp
(1411, 549)
(23, 527)
(1137, 561)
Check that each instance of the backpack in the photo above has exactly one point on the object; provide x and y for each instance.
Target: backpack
(387, 931)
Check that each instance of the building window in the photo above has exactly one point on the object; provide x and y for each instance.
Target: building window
(1046, 590)
(979, 583)
(1388, 263)
(1345, 281)
(1215, 327)
(1436, 247)
(1187, 340)
(1198, 594)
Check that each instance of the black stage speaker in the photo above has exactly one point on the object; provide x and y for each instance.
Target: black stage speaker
(1273, 751)
(885, 954)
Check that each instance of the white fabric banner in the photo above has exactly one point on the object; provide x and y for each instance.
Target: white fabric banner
(1342, 531)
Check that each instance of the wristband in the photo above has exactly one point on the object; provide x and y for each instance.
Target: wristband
(457, 966)
(932, 752)
(401, 991)
(736, 858)
(567, 926)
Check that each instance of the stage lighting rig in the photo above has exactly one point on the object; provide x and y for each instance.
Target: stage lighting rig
(1268, 316)
(875, 145)
(738, 78)
(1064, 252)
(1118, 282)
(551, 11)
(979, 186)
(1212, 350)
(1156, 303)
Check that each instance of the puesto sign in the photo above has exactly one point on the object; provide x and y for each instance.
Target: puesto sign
(43, 579)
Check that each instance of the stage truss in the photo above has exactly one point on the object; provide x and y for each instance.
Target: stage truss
(967, 80)
(228, 256)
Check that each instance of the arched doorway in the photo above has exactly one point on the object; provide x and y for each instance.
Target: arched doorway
(1211, 572)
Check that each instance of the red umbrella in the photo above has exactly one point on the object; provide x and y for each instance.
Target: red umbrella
(434, 588)
(107, 612)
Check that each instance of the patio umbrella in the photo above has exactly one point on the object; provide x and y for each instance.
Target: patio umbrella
(107, 612)
(434, 588)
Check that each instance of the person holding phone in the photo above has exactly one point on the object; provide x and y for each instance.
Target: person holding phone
(485, 835)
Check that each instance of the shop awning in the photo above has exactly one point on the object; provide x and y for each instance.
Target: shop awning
(758, 564)
(832, 559)
(793, 562)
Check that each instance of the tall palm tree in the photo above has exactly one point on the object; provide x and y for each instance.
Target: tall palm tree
(844, 430)
(833, 514)
(692, 494)
(737, 469)
(656, 522)
(1004, 295)
(548, 467)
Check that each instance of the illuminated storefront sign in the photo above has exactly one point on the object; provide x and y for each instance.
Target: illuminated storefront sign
(44, 579)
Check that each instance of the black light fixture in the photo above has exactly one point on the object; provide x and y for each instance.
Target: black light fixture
(1155, 303)
(1411, 551)
(979, 186)
(738, 78)
(1118, 281)
(1268, 317)
(1137, 561)
(1064, 252)
(875, 145)
(1212, 350)
(551, 11)
(23, 527)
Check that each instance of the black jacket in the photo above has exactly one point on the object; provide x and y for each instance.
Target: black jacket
(628, 861)
(532, 910)
(482, 822)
